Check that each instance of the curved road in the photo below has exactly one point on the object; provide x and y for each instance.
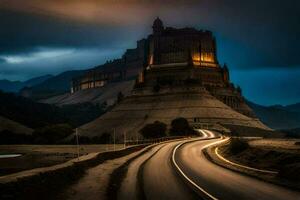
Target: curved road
(155, 176)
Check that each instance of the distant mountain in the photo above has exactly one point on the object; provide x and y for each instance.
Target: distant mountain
(53, 86)
(278, 117)
(11, 86)
(293, 107)
(37, 80)
(15, 86)
(294, 133)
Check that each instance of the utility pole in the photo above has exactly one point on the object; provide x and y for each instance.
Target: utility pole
(124, 139)
(77, 141)
(114, 139)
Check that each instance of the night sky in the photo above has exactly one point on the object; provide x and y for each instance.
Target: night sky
(258, 39)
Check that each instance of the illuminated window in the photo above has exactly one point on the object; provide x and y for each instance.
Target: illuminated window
(207, 57)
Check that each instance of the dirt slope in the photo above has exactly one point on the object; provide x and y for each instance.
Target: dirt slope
(137, 110)
(107, 93)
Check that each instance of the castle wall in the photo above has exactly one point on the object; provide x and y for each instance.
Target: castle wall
(170, 57)
(128, 67)
(175, 46)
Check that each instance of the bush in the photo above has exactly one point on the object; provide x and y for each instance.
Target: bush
(290, 172)
(191, 81)
(8, 137)
(105, 138)
(237, 145)
(180, 126)
(156, 88)
(52, 134)
(120, 97)
(154, 130)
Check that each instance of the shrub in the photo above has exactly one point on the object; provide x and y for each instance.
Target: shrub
(156, 88)
(180, 126)
(154, 130)
(290, 172)
(237, 145)
(120, 97)
(105, 138)
(191, 81)
(52, 134)
(8, 137)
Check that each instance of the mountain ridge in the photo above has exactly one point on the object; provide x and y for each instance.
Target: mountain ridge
(53, 86)
(16, 86)
(277, 116)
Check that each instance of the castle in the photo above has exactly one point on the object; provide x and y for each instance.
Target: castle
(176, 74)
(125, 68)
(169, 58)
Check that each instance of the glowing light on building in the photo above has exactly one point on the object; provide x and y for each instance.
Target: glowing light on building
(151, 60)
(196, 58)
(207, 57)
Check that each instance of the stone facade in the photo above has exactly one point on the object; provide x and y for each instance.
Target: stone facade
(125, 68)
(179, 76)
(169, 58)
(187, 57)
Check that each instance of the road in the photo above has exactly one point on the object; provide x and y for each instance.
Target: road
(172, 169)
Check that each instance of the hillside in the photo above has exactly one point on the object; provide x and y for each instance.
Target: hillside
(15, 86)
(278, 117)
(10, 86)
(137, 110)
(37, 80)
(294, 133)
(34, 115)
(53, 86)
(107, 94)
(292, 108)
(14, 127)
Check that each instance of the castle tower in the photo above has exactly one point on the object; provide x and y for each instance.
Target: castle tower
(158, 29)
(226, 74)
(190, 58)
(158, 26)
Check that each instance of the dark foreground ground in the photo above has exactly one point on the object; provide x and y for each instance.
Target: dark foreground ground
(34, 156)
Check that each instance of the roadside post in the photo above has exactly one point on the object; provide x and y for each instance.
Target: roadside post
(77, 142)
(114, 139)
(124, 139)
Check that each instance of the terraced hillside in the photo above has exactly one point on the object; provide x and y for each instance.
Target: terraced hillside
(197, 105)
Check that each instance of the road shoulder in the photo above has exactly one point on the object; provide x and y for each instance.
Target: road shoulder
(261, 174)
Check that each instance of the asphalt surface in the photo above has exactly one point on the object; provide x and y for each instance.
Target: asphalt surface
(155, 176)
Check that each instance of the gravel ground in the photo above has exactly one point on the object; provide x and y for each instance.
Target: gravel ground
(288, 144)
(280, 155)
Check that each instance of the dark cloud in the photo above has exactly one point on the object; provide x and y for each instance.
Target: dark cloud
(23, 32)
(2, 60)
